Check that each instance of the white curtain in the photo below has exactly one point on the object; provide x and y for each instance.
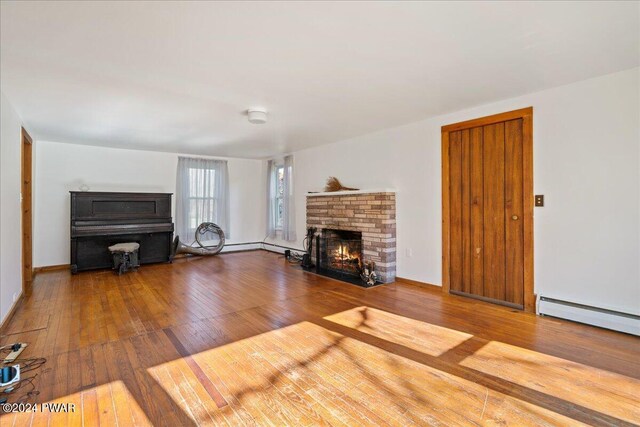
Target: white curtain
(271, 199)
(288, 202)
(202, 195)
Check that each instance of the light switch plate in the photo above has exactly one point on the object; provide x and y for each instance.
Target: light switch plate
(539, 200)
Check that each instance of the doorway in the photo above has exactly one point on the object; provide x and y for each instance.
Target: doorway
(487, 211)
(27, 212)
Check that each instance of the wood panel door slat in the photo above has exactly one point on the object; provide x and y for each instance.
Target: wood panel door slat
(494, 222)
(467, 244)
(455, 166)
(477, 211)
(514, 229)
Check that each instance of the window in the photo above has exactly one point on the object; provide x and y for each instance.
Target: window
(202, 195)
(280, 200)
(279, 171)
(202, 200)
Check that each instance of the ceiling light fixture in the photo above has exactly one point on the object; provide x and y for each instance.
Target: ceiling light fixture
(257, 116)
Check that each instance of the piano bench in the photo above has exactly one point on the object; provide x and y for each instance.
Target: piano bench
(125, 256)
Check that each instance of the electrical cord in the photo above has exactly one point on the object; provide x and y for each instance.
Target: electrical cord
(17, 386)
(30, 364)
(295, 258)
(26, 365)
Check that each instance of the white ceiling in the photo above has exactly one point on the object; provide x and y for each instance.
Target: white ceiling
(178, 76)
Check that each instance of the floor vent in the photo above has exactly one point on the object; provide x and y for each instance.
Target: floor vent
(609, 319)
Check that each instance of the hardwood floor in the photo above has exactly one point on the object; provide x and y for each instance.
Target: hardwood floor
(248, 339)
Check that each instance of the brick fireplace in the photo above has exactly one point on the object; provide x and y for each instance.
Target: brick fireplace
(371, 213)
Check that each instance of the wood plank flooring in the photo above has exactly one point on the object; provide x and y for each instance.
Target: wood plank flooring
(247, 339)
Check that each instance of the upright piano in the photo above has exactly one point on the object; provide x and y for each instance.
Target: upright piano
(101, 219)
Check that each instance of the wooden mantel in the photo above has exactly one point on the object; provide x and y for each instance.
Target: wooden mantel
(349, 192)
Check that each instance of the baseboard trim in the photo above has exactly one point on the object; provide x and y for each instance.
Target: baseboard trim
(10, 314)
(45, 268)
(416, 282)
(240, 247)
(273, 250)
(227, 249)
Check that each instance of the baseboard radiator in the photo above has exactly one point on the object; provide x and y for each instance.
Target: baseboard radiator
(608, 319)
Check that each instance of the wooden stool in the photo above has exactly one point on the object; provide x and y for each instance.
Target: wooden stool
(125, 256)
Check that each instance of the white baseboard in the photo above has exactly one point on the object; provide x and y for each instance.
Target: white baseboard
(273, 249)
(603, 318)
(242, 247)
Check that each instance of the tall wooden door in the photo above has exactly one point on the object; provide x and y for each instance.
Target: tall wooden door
(487, 214)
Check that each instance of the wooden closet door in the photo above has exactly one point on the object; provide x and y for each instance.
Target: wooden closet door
(486, 257)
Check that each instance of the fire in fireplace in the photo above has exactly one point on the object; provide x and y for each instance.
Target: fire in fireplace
(339, 255)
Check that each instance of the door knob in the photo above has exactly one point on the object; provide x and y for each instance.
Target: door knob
(515, 217)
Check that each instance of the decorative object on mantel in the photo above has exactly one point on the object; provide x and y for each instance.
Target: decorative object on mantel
(204, 228)
(368, 273)
(333, 184)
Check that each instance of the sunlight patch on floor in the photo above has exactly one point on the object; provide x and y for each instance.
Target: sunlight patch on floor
(107, 404)
(303, 374)
(617, 395)
(187, 391)
(414, 334)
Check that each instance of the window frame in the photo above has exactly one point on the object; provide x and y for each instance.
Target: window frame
(278, 197)
(204, 199)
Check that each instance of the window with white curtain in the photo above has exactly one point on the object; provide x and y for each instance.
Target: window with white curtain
(280, 200)
(202, 198)
(202, 195)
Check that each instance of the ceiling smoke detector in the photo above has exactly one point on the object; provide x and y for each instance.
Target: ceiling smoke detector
(257, 116)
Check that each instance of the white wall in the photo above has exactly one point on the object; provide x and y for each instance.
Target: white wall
(61, 168)
(586, 163)
(10, 218)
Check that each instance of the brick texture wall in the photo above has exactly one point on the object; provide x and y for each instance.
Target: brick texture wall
(373, 214)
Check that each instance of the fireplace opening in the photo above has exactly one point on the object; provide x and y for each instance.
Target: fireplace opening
(339, 255)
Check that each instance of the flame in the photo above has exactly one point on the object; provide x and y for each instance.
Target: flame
(342, 255)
